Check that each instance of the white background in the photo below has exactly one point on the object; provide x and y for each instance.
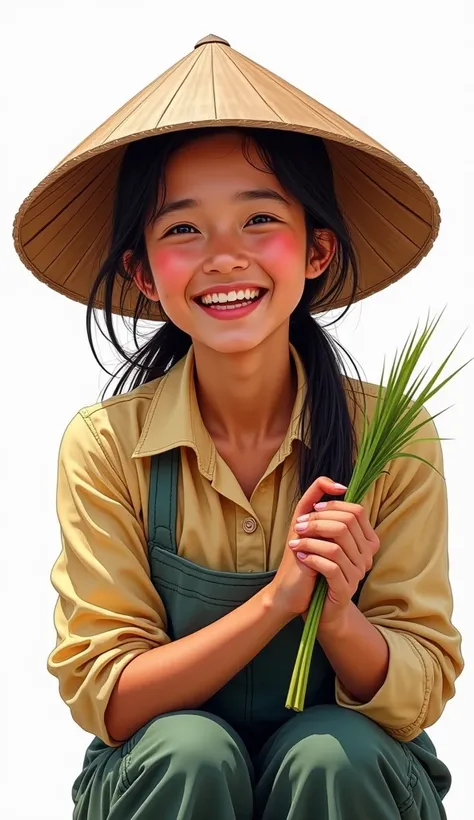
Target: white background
(398, 69)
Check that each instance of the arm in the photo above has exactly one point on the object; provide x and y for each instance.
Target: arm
(406, 599)
(108, 611)
(185, 673)
(357, 652)
(115, 664)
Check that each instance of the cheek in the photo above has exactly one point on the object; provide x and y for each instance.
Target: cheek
(281, 253)
(171, 269)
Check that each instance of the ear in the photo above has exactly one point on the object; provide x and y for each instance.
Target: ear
(322, 254)
(143, 280)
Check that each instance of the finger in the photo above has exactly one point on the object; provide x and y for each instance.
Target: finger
(337, 582)
(332, 552)
(347, 518)
(313, 495)
(359, 514)
(366, 548)
(340, 531)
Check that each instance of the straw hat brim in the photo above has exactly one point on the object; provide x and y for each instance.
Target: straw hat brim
(62, 229)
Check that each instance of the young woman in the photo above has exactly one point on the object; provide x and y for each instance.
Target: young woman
(199, 504)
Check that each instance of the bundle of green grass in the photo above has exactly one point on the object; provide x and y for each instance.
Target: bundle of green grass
(385, 438)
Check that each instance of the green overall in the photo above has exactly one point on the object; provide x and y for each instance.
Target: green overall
(243, 756)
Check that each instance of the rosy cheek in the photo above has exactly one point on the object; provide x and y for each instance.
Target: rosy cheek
(171, 268)
(280, 249)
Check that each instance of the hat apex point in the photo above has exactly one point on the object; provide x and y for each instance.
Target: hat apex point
(211, 38)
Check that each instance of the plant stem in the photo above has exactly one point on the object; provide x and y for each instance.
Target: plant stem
(299, 678)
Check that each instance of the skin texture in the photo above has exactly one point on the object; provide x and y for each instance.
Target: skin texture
(225, 240)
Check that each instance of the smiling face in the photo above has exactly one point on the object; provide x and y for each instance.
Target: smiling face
(228, 251)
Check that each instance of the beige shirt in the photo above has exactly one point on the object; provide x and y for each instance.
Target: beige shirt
(108, 611)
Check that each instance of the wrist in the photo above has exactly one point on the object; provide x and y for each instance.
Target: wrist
(273, 606)
(336, 628)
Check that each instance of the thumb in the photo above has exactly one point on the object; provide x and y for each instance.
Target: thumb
(322, 486)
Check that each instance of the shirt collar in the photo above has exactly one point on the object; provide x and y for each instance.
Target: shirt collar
(174, 418)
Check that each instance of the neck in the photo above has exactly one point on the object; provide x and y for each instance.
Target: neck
(246, 398)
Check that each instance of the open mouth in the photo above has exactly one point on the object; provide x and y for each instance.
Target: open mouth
(233, 300)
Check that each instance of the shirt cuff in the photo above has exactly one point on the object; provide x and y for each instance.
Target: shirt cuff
(401, 703)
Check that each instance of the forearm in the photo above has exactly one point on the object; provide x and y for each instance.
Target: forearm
(357, 652)
(185, 673)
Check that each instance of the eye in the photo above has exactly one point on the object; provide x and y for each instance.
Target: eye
(261, 219)
(180, 230)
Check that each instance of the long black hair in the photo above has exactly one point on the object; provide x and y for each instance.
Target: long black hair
(301, 164)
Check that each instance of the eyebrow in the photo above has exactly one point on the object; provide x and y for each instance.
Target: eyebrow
(245, 196)
(261, 193)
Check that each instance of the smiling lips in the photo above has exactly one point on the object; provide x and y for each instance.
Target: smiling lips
(232, 299)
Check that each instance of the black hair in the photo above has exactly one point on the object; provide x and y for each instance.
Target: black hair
(301, 164)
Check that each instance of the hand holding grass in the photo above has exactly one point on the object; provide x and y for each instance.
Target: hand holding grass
(292, 588)
(338, 542)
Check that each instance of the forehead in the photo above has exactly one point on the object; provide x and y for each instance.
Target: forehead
(216, 160)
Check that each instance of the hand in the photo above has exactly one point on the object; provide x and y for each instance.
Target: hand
(337, 541)
(293, 585)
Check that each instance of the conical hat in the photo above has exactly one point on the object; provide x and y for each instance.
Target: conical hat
(62, 229)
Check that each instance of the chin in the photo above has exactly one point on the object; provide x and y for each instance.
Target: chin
(232, 345)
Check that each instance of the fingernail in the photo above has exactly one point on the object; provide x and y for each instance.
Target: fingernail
(302, 555)
(340, 486)
(302, 527)
(303, 517)
(321, 505)
(294, 543)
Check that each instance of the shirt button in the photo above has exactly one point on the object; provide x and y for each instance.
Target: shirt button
(249, 525)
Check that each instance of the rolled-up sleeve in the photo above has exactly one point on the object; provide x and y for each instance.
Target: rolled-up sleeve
(407, 595)
(108, 611)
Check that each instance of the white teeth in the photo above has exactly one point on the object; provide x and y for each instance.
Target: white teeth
(232, 296)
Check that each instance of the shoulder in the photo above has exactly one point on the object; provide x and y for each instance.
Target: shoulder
(121, 410)
(111, 427)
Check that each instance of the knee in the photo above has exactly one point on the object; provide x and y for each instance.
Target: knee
(193, 745)
(315, 756)
(341, 744)
(200, 742)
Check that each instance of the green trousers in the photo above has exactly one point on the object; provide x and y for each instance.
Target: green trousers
(327, 763)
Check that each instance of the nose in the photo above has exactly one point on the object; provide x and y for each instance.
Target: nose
(225, 262)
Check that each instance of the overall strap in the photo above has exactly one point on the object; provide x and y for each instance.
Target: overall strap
(162, 499)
